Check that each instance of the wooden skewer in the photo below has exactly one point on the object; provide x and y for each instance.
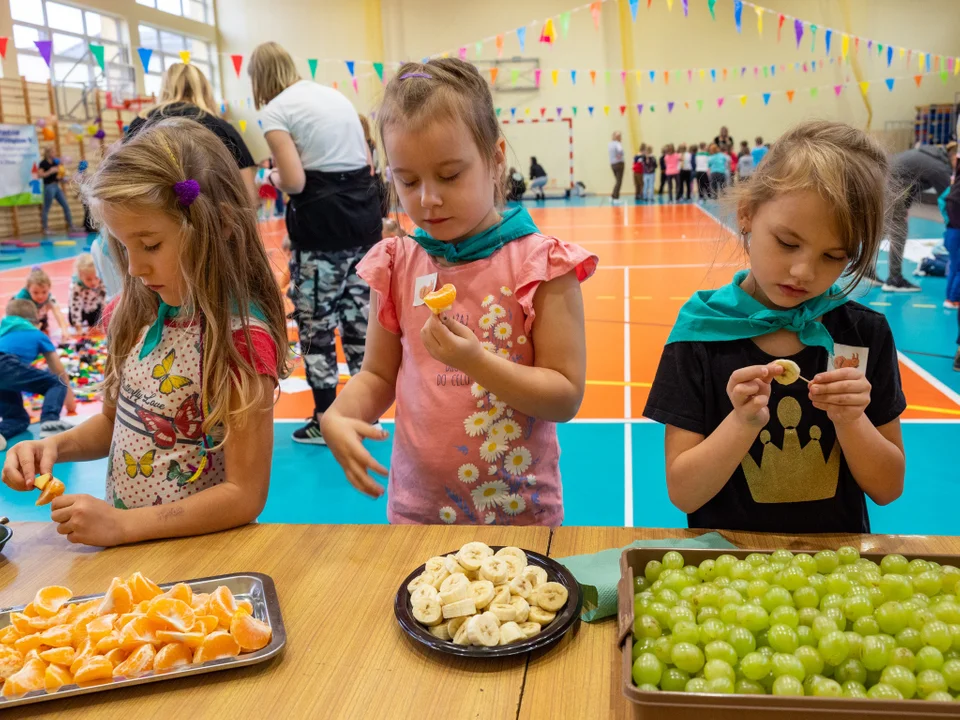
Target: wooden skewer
(804, 379)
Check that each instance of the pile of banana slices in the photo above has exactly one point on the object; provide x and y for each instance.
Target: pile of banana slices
(478, 597)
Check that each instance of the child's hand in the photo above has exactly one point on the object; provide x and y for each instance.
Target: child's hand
(88, 520)
(344, 436)
(749, 392)
(70, 403)
(26, 460)
(450, 342)
(843, 394)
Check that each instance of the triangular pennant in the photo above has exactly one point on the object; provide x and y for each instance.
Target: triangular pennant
(670, 107)
(837, 89)
(814, 92)
(653, 108)
(595, 12)
(593, 76)
(378, 69)
(666, 77)
(623, 109)
(185, 57)
(565, 23)
(669, 5)
(606, 109)
(724, 73)
(686, 7)
(699, 105)
(522, 37)
(712, 6)
(686, 105)
(918, 79)
(97, 51)
(743, 99)
(780, 20)
(828, 36)
(478, 48)
(356, 86)
(237, 63)
(634, 6)
(759, 11)
(864, 87)
(956, 66)
(336, 85)
(653, 75)
(702, 73)
(689, 75)
(889, 83)
(543, 111)
(548, 34)
(773, 70)
(499, 44)
(44, 47)
(243, 125)
(638, 76)
(573, 77)
(574, 109)
(590, 110)
(844, 45)
(3, 47)
(738, 14)
(765, 71)
(813, 38)
(513, 112)
(559, 111)
(526, 111)
(623, 76)
(790, 95)
(351, 67)
(554, 74)
(463, 52)
(798, 30)
(943, 75)
(766, 98)
(312, 63)
(493, 75)
(713, 74)
(719, 102)
(536, 77)
(640, 109)
(606, 77)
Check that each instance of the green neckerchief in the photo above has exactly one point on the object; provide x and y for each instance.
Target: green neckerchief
(152, 339)
(730, 313)
(514, 223)
(12, 323)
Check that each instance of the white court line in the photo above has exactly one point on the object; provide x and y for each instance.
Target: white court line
(717, 220)
(939, 385)
(627, 408)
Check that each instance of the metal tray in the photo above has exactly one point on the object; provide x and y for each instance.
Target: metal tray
(5, 532)
(566, 619)
(255, 587)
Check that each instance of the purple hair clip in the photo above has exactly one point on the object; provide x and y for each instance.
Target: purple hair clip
(407, 76)
(187, 191)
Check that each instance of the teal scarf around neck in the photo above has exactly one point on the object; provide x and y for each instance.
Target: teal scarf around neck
(155, 333)
(730, 313)
(12, 323)
(514, 223)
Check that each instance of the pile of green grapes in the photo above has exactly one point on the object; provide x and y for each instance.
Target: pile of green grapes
(826, 625)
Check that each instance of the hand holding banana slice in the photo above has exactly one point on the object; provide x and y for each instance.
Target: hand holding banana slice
(478, 597)
(791, 372)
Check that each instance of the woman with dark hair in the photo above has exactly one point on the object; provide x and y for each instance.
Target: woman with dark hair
(538, 179)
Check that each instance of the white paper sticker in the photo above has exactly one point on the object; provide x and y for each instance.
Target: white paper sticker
(425, 284)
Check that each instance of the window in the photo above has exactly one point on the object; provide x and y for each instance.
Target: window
(200, 10)
(71, 30)
(167, 46)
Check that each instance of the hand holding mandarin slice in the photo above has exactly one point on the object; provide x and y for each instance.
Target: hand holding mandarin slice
(49, 488)
(441, 300)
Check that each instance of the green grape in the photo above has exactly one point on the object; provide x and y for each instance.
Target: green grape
(831, 600)
(713, 629)
(855, 641)
(894, 563)
(811, 659)
(827, 561)
(775, 597)
(948, 612)
(640, 584)
(721, 582)
(850, 669)
(692, 572)
(706, 595)
(787, 685)
(838, 584)
(688, 593)
(854, 689)
(642, 645)
(687, 656)
(876, 596)
(728, 613)
(647, 626)
(805, 636)
(757, 559)
(673, 560)
(674, 680)
(729, 596)
(806, 597)
(918, 566)
(740, 586)
(679, 613)
(705, 614)
(823, 625)
(955, 635)
(696, 685)
(904, 657)
(647, 687)
(929, 658)
(647, 669)
(810, 682)
(786, 664)
(929, 583)
(707, 571)
(929, 682)
(749, 687)
(834, 647)
(892, 617)
(721, 650)
(753, 618)
(836, 614)
(950, 576)
(867, 625)
(724, 564)
(652, 570)
(938, 635)
(910, 638)
(807, 615)
(827, 688)
(785, 615)
(951, 654)
(896, 587)
(741, 640)
(859, 591)
(765, 572)
(883, 691)
(900, 678)
(939, 697)
(875, 653)
(742, 570)
(765, 650)
(951, 673)
(660, 612)
(856, 607)
(663, 649)
(915, 602)
(848, 555)
(686, 632)
(755, 666)
(781, 556)
(762, 639)
(719, 669)
(668, 597)
(793, 578)
(819, 583)
(805, 562)
(676, 581)
(783, 638)
(721, 686)
(757, 588)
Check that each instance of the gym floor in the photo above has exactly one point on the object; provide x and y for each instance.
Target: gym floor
(652, 258)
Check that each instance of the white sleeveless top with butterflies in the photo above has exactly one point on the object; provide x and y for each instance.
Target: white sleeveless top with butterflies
(158, 441)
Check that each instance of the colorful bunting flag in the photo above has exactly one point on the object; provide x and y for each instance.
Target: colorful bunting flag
(634, 6)
(837, 89)
(536, 77)
(593, 76)
(237, 63)
(640, 109)
(478, 48)
(780, 20)
(595, 12)
(606, 110)
(378, 69)
(766, 98)
(549, 34)
(813, 38)
(666, 77)
(814, 92)
(356, 86)
(3, 47)
(844, 46)
(712, 5)
(864, 87)
(97, 51)
(554, 74)
(606, 77)
(44, 47)
(719, 102)
(493, 75)
(738, 14)
(499, 44)
(918, 79)
(713, 74)
(565, 23)
(526, 111)
(653, 75)
(798, 30)
(670, 107)
(623, 109)
(559, 111)
(351, 66)
(522, 37)
(543, 112)
(826, 39)
(513, 112)
(889, 82)
(759, 11)
(943, 75)
(743, 99)
(185, 57)
(699, 105)
(574, 108)
(790, 95)
(312, 62)
(243, 125)
(463, 53)
(623, 76)
(590, 110)
(686, 7)
(669, 5)
(573, 77)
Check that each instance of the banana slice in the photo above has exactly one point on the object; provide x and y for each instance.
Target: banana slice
(435, 564)
(422, 594)
(453, 624)
(540, 616)
(461, 638)
(791, 372)
(483, 630)
(511, 632)
(504, 612)
(530, 629)
(441, 632)
(515, 565)
(452, 581)
(522, 586)
(493, 569)
(513, 552)
(458, 592)
(472, 555)
(501, 595)
(458, 609)
(427, 578)
(429, 613)
(551, 596)
(535, 574)
(452, 566)
(522, 607)
(482, 592)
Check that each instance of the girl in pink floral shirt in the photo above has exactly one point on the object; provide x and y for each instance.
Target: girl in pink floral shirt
(478, 389)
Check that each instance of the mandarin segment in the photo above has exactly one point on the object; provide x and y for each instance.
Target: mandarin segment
(59, 656)
(251, 634)
(216, 646)
(223, 605)
(29, 678)
(50, 599)
(55, 677)
(177, 614)
(138, 631)
(206, 624)
(137, 663)
(58, 636)
(172, 655)
(95, 669)
(11, 660)
(182, 591)
(116, 656)
(118, 599)
(86, 650)
(142, 588)
(191, 639)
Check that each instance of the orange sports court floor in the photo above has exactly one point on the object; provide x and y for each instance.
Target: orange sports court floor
(652, 258)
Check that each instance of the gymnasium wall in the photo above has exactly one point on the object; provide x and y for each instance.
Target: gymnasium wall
(659, 40)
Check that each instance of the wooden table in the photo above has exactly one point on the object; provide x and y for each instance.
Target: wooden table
(346, 657)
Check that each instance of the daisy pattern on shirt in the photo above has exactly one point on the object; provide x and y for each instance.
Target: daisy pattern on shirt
(518, 460)
(503, 331)
(498, 310)
(487, 321)
(490, 494)
(508, 428)
(477, 391)
(468, 473)
(505, 291)
(514, 504)
(477, 424)
(491, 450)
(488, 301)
(448, 514)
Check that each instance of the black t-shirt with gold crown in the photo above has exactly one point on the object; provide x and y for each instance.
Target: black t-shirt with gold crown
(795, 478)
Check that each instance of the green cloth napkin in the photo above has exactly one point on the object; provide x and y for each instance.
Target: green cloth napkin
(599, 573)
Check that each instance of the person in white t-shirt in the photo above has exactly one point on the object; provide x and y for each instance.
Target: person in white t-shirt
(615, 151)
(324, 164)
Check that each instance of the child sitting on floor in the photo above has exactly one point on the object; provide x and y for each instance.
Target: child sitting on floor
(87, 295)
(37, 289)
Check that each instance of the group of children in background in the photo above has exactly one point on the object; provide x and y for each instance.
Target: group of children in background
(712, 167)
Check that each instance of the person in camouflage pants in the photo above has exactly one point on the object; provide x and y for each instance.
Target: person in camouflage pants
(327, 295)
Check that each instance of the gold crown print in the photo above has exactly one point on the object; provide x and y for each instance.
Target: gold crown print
(792, 473)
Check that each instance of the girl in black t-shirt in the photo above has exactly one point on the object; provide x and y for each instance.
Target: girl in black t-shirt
(744, 450)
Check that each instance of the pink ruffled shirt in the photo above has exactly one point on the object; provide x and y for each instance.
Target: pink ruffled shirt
(461, 455)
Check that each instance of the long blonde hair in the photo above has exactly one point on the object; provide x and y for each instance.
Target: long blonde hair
(271, 71)
(222, 259)
(186, 84)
